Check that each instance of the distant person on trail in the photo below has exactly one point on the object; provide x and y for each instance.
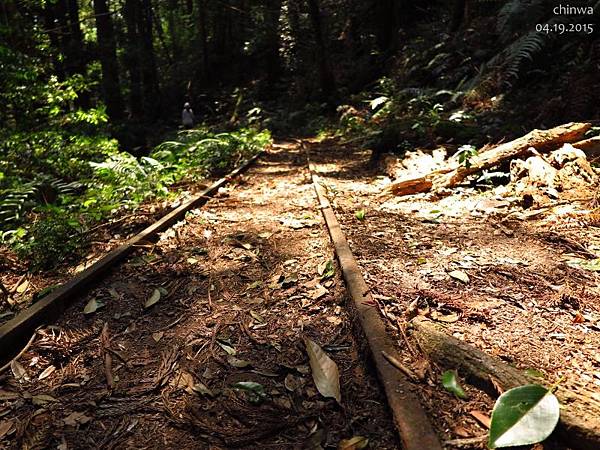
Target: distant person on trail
(187, 116)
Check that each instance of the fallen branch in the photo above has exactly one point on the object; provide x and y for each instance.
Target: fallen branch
(21, 353)
(401, 367)
(5, 293)
(580, 407)
(591, 147)
(451, 176)
(105, 342)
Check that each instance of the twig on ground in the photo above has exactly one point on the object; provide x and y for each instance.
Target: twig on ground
(6, 294)
(17, 284)
(401, 367)
(105, 343)
(401, 327)
(21, 353)
(213, 340)
(247, 332)
(466, 441)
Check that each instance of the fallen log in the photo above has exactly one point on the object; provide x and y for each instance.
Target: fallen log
(541, 140)
(591, 147)
(580, 408)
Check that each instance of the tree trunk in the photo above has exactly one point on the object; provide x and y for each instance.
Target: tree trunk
(108, 60)
(327, 79)
(132, 59)
(458, 15)
(54, 35)
(203, 38)
(151, 92)
(76, 57)
(272, 59)
(580, 407)
(174, 29)
(387, 23)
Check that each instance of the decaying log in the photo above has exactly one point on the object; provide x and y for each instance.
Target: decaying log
(415, 186)
(580, 407)
(591, 147)
(541, 140)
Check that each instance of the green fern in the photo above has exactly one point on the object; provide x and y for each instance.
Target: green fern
(517, 15)
(16, 202)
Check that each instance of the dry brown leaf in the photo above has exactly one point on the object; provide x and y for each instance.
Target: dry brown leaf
(460, 276)
(158, 336)
(354, 443)
(153, 299)
(42, 399)
(76, 418)
(23, 287)
(324, 371)
(8, 395)
(47, 372)
(19, 371)
(482, 418)
(5, 427)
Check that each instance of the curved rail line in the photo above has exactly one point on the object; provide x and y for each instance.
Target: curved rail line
(412, 423)
(19, 329)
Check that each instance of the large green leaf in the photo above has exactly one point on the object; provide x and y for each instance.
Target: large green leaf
(522, 416)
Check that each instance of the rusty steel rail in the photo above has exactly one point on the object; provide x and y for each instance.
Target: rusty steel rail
(413, 425)
(18, 330)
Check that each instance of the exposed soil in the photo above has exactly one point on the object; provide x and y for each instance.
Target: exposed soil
(241, 284)
(530, 298)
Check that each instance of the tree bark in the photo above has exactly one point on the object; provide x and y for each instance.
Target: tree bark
(53, 34)
(580, 407)
(387, 23)
(272, 59)
(132, 59)
(108, 59)
(76, 55)
(203, 38)
(326, 76)
(591, 147)
(151, 91)
(452, 175)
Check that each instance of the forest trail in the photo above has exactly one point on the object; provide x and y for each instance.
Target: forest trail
(241, 281)
(518, 283)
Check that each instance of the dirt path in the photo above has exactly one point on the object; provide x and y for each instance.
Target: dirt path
(524, 300)
(239, 283)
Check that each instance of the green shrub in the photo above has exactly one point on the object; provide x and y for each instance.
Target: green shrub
(49, 241)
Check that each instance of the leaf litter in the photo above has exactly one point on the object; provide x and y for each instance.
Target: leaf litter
(171, 362)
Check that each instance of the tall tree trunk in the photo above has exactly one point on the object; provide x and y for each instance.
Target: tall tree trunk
(387, 23)
(272, 58)
(151, 92)
(76, 58)
(132, 59)
(325, 72)
(53, 31)
(174, 29)
(203, 38)
(458, 14)
(108, 60)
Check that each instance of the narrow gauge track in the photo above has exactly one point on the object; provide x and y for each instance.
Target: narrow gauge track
(18, 330)
(409, 418)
